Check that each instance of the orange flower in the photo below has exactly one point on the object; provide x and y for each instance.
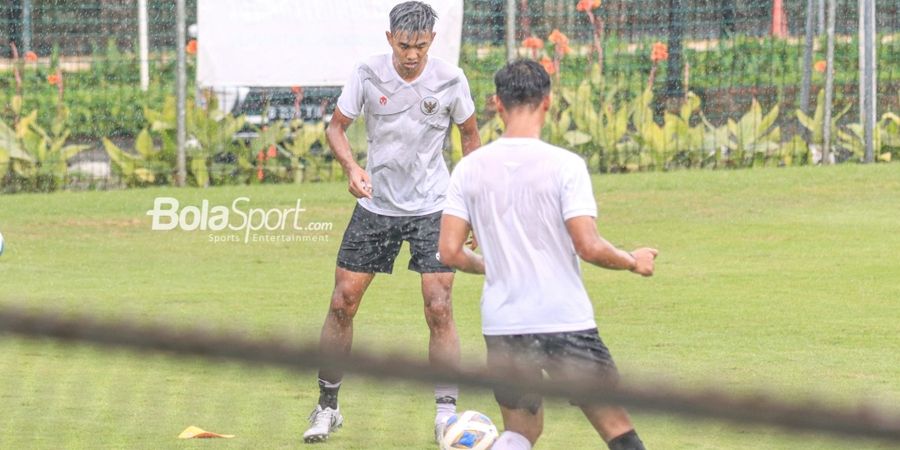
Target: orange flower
(563, 49)
(557, 37)
(660, 52)
(820, 66)
(261, 156)
(296, 90)
(31, 57)
(260, 175)
(587, 5)
(548, 65)
(272, 151)
(533, 43)
(54, 79)
(191, 47)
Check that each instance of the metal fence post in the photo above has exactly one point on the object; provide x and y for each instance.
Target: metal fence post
(143, 44)
(511, 43)
(26, 26)
(829, 84)
(867, 78)
(181, 92)
(674, 88)
(807, 57)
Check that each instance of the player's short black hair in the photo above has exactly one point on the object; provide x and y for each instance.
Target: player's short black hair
(412, 17)
(522, 82)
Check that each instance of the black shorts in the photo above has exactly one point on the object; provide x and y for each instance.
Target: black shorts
(524, 357)
(372, 241)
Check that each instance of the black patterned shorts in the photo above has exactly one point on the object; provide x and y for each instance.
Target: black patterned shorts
(523, 357)
(372, 241)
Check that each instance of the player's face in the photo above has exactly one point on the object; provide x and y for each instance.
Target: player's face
(410, 51)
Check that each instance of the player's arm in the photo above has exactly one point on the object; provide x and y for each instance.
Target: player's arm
(452, 249)
(360, 185)
(592, 248)
(468, 130)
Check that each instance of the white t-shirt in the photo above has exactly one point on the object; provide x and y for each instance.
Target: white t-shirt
(406, 124)
(517, 194)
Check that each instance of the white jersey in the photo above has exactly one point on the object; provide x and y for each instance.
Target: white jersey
(406, 124)
(517, 194)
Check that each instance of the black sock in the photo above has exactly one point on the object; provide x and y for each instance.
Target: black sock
(328, 394)
(445, 400)
(627, 441)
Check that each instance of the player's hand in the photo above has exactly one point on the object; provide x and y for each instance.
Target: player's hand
(472, 242)
(644, 260)
(360, 184)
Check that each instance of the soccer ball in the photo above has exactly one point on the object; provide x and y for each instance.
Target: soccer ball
(1, 243)
(469, 430)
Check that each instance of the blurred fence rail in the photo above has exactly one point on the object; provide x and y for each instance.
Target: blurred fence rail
(760, 408)
(716, 72)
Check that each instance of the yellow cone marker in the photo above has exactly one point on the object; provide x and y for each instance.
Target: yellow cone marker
(193, 432)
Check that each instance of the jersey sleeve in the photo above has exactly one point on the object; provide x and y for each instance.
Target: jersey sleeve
(462, 107)
(577, 196)
(455, 203)
(352, 96)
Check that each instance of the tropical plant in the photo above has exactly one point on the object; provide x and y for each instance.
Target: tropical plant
(886, 137)
(266, 145)
(815, 127)
(11, 153)
(43, 166)
(751, 141)
(210, 131)
(148, 165)
(307, 146)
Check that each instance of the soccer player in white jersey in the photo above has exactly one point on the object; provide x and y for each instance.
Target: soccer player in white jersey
(408, 100)
(532, 207)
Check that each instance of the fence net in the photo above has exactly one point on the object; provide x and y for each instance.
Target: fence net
(72, 69)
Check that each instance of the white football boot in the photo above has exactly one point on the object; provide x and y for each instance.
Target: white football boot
(322, 422)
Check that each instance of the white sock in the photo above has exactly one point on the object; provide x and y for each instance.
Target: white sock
(445, 409)
(510, 440)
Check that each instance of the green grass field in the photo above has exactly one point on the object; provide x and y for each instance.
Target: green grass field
(786, 280)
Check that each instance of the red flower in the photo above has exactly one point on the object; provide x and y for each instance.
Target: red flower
(31, 57)
(660, 52)
(820, 66)
(548, 64)
(587, 5)
(191, 47)
(54, 79)
(259, 174)
(272, 151)
(261, 156)
(296, 90)
(558, 38)
(534, 43)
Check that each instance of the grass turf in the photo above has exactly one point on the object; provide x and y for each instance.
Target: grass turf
(784, 280)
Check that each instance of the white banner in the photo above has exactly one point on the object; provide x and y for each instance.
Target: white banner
(303, 42)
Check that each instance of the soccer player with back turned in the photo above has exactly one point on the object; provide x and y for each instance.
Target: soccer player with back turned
(532, 207)
(408, 100)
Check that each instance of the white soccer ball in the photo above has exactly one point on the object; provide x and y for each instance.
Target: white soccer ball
(469, 430)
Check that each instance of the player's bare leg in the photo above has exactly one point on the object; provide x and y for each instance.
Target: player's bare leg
(337, 332)
(443, 342)
(336, 339)
(520, 423)
(614, 426)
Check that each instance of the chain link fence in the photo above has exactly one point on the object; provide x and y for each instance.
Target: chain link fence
(640, 85)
